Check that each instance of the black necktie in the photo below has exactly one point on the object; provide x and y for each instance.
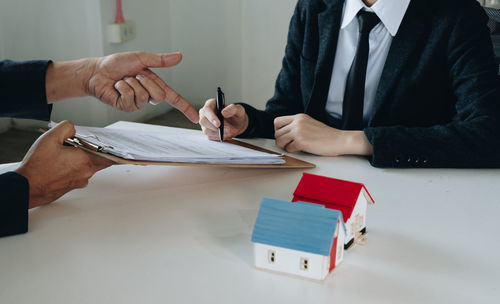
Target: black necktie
(352, 108)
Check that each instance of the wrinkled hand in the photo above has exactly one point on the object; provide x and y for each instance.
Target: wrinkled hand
(235, 120)
(53, 169)
(302, 133)
(125, 82)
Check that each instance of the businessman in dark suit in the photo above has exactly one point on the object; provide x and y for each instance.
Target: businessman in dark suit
(407, 83)
(49, 169)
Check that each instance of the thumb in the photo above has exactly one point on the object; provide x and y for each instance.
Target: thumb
(62, 131)
(160, 60)
(233, 110)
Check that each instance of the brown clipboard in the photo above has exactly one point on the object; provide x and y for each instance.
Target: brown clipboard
(290, 162)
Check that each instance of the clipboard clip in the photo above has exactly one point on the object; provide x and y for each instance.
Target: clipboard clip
(75, 142)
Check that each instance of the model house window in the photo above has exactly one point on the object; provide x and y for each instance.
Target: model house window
(271, 256)
(304, 263)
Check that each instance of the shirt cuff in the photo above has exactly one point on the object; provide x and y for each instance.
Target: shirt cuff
(14, 203)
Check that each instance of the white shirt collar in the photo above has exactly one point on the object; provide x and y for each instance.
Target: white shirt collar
(390, 12)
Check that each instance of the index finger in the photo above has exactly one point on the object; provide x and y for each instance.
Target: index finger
(62, 131)
(181, 104)
(173, 98)
(280, 122)
(209, 112)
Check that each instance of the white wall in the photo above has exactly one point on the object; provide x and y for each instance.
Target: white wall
(5, 123)
(209, 35)
(236, 44)
(57, 30)
(264, 30)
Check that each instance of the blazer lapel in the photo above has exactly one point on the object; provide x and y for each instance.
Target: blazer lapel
(329, 22)
(410, 36)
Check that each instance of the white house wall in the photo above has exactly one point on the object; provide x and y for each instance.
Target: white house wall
(359, 208)
(289, 261)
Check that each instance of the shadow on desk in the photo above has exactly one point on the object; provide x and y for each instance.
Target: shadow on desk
(227, 234)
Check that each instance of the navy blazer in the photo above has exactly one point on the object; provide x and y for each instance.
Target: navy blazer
(438, 102)
(22, 87)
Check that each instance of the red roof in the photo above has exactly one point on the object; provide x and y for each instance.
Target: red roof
(331, 192)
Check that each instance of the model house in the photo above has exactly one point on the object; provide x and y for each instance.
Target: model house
(301, 239)
(348, 197)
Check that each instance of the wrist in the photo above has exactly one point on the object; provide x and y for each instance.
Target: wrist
(69, 79)
(357, 143)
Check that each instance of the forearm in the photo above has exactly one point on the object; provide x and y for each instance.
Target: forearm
(68, 79)
(464, 144)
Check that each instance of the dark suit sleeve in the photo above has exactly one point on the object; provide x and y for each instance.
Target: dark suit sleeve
(13, 204)
(22, 87)
(287, 98)
(472, 139)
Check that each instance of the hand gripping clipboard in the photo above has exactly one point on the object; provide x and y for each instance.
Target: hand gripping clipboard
(290, 162)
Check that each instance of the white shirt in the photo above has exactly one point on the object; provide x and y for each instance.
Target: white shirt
(391, 13)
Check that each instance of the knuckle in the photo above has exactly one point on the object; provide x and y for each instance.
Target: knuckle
(127, 90)
(203, 122)
(162, 95)
(144, 97)
(239, 109)
(177, 99)
(302, 118)
(83, 184)
(128, 107)
(299, 141)
(67, 125)
(119, 84)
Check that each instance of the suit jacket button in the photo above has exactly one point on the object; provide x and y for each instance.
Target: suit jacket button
(417, 160)
(397, 159)
(425, 160)
(409, 159)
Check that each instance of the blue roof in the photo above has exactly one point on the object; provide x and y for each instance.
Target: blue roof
(298, 226)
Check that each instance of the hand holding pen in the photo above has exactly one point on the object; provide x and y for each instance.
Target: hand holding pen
(232, 122)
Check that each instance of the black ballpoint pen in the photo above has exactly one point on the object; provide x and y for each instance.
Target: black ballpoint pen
(220, 103)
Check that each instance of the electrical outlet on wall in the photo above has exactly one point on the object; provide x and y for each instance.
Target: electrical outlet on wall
(119, 33)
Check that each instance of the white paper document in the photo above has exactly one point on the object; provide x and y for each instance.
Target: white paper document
(171, 147)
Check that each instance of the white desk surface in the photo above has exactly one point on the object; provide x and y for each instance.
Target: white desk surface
(182, 235)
